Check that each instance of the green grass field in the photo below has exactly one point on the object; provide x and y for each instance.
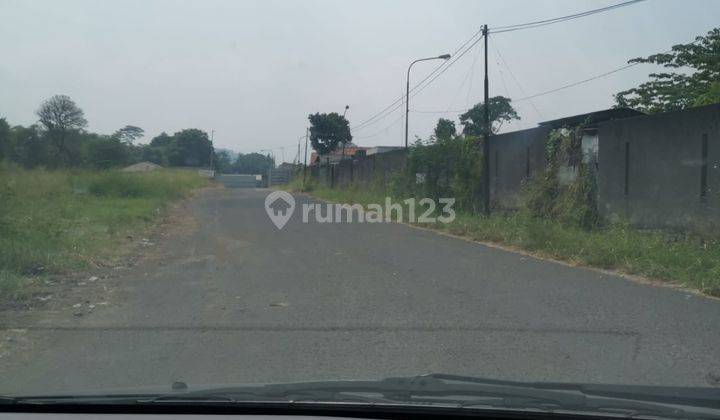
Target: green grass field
(683, 259)
(54, 222)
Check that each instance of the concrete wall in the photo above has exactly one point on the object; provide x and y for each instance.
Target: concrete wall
(378, 167)
(664, 172)
(658, 183)
(514, 157)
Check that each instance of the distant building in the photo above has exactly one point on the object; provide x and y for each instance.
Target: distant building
(382, 149)
(287, 166)
(351, 151)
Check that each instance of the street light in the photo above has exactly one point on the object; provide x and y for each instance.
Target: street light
(343, 149)
(407, 92)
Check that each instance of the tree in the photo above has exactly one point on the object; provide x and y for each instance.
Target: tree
(161, 140)
(223, 162)
(697, 84)
(5, 138)
(445, 129)
(712, 96)
(30, 149)
(59, 115)
(473, 121)
(190, 147)
(129, 134)
(327, 131)
(108, 152)
(154, 154)
(253, 164)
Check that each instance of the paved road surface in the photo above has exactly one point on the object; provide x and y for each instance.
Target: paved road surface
(234, 300)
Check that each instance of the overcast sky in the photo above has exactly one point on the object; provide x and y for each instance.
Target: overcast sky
(253, 70)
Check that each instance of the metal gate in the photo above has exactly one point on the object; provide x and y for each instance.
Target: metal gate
(238, 181)
(279, 176)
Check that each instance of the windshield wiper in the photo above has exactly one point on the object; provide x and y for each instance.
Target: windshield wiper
(440, 390)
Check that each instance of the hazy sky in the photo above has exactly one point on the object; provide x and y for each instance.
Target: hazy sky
(253, 70)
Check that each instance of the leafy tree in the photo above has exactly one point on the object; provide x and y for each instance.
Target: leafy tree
(108, 152)
(223, 162)
(60, 115)
(161, 140)
(30, 148)
(445, 129)
(190, 147)
(129, 134)
(697, 84)
(712, 96)
(253, 164)
(154, 154)
(500, 112)
(327, 131)
(5, 138)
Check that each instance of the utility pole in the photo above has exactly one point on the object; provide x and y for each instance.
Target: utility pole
(487, 133)
(307, 134)
(212, 148)
(343, 149)
(407, 104)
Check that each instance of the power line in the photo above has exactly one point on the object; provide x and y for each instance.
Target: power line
(449, 111)
(421, 88)
(432, 76)
(384, 130)
(517, 82)
(468, 76)
(547, 92)
(507, 91)
(538, 23)
(457, 57)
(398, 102)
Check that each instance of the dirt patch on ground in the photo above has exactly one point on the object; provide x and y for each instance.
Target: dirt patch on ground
(89, 289)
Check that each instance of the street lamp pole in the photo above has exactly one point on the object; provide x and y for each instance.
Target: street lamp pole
(407, 90)
(212, 148)
(343, 149)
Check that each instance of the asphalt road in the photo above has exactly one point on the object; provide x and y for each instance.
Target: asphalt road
(231, 299)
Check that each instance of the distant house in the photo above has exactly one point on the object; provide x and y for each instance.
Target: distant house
(382, 149)
(287, 166)
(350, 151)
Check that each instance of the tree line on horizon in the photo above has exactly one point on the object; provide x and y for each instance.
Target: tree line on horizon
(60, 140)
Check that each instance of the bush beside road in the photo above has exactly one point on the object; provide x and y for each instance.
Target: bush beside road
(54, 222)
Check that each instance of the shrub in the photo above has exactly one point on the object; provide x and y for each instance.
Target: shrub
(573, 205)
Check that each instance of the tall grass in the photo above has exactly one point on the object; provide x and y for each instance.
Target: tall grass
(684, 259)
(56, 221)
